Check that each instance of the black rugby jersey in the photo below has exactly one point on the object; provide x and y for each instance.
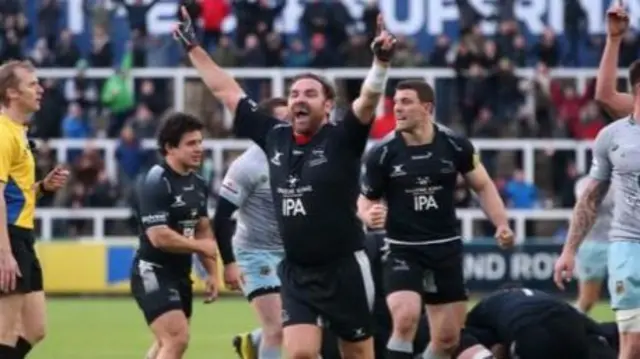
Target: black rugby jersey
(418, 184)
(315, 186)
(507, 311)
(165, 197)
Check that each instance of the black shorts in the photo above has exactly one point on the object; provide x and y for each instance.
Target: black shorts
(338, 296)
(435, 271)
(561, 334)
(158, 291)
(22, 247)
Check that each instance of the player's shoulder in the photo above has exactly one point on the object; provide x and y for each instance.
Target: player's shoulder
(252, 158)
(157, 175)
(458, 141)
(615, 127)
(7, 129)
(388, 143)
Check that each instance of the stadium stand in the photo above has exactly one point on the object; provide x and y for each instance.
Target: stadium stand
(111, 71)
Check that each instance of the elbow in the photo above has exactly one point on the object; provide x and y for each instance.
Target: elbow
(156, 237)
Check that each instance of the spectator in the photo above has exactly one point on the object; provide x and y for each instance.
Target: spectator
(226, 54)
(131, 159)
(370, 19)
(100, 12)
(40, 55)
(438, 57)
(67, 53)
(47, 122)
(48, 21)
(569, 105)
(273, 50)
(75, 125)
(213, 14)
(323, 57)
(102, 53)
(151, 99)
(567, 194)
(548, 49)
(82, 90)
(117, 96)
(143, 124)
(253, 56)
(520, 194)
(575, 19)
(297, 55)
(137, 13)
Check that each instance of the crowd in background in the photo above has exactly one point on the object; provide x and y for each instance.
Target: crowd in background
(485, 100)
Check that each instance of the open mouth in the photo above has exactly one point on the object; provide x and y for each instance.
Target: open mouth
(301, 114)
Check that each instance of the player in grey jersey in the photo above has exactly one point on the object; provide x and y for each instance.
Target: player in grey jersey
(591, 260)
(257, 247)
(616, 159)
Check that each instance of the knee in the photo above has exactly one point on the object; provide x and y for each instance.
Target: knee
(405, 319)
(299, 352)
(175, 340)
(446, 341)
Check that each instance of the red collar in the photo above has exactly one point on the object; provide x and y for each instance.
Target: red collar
(301, 140)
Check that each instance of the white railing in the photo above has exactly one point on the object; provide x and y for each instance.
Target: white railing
(99, 215)
(278, 78)
(528, 147)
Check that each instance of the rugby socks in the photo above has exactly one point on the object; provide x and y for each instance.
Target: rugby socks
(7, 352)
(399, 349)
(430, 354)
(23, 347)
(269, 353)
(256, 337)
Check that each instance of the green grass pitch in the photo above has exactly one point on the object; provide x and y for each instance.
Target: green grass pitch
(113, 328)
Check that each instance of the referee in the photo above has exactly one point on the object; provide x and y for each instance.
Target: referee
(22, 300)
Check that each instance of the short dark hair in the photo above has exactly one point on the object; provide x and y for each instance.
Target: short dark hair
(422, 88)
(327, 88)
(9, 79)
(175, 126)
(270, 105)
(634, 73)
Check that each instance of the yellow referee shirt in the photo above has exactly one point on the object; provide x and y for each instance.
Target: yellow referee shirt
(18, 172)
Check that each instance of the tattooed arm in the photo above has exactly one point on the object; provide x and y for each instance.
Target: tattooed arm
(585, 212)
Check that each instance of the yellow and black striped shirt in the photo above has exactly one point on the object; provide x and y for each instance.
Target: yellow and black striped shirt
(17, 171)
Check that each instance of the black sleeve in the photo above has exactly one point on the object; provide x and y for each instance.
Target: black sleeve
(154, 196)
(223, 228)
(374, 180)
(203, 208)
(484, 336)
(251, 123)
(466, 157)
(354, 133)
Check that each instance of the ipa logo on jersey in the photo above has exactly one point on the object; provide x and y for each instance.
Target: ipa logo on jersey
(292, 203)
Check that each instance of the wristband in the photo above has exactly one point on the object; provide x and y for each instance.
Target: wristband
(376, 79)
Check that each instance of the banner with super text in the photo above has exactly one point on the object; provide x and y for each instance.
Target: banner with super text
(99, 268)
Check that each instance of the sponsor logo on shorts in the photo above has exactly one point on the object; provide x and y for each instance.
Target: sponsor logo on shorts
(265, 271)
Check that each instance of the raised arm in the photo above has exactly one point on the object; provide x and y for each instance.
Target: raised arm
(221, 84)
(615, 103)
(383, 46)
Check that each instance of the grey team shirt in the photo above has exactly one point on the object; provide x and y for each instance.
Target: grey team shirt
(246, 185)
(602, 226)
(616, 158)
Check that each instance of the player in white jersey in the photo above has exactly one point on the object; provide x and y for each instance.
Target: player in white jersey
(591, 260)
(251, 261)
(616, 160)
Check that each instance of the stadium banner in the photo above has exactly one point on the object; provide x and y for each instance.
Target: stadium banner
(103, 268)
(421, 20)
(96, 268)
